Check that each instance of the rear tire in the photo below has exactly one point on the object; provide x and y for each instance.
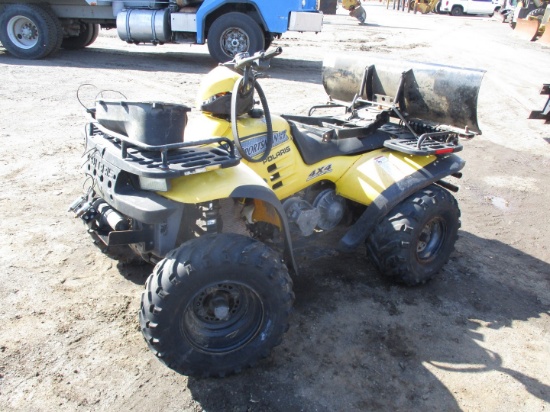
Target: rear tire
(95, 33)
(216, 305)
(456, 11)
(28, 31)
(83, 39)
(234, 33)
(415, 240)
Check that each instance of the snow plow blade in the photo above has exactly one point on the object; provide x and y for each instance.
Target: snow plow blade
(527, 29)
(434, 93)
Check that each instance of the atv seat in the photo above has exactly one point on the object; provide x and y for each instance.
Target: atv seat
(314, 146)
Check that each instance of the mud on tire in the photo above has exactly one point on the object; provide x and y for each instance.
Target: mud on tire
(216, 305)
(413, 242)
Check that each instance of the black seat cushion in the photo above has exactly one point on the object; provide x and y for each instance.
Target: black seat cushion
(313, 149)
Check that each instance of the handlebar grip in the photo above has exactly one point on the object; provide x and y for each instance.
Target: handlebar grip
(269, 54)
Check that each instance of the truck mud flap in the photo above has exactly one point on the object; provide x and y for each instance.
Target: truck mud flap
(435, 93)
(527, 29)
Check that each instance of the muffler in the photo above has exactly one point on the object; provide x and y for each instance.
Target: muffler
(435, 93)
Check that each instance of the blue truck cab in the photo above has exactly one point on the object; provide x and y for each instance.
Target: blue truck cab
(34, 29)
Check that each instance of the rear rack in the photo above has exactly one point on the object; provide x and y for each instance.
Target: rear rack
(163, 161)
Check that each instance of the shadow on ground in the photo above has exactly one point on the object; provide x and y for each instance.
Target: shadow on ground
(358, 342)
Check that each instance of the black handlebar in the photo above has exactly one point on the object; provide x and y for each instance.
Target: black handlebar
(239, 62)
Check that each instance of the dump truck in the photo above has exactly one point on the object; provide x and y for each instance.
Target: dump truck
(34, 29)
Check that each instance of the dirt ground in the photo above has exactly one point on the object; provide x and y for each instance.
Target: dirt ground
(475, 338)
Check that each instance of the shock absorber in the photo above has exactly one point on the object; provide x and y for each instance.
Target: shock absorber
(212, 219)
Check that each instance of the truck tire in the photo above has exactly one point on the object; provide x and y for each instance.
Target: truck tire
(216, 305)
(413, 242)
(234, 33)
(456, 11)
(95, 33)
(328, 6)
(28, 31)
(58, 27)
(83, 39)
(536, 12)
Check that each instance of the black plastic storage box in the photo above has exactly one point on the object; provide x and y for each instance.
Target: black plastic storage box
(152, 123)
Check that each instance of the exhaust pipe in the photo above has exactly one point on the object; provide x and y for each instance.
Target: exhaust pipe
(106, 215)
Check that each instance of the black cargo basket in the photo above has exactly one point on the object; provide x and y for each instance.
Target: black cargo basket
(151, 123)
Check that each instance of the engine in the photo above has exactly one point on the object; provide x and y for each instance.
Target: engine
(323, 214)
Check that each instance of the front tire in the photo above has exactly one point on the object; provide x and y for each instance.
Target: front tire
(215, 305)
(415, 240)
(28, 31)
(234, 33)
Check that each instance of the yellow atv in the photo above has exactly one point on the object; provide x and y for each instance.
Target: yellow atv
(218, 210)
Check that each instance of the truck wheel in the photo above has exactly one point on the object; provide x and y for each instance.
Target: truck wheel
(28, 31)
(82, 40)
(328, 6)
(95, 33)
(456, 11)
(234, 33)
(215, 305)
(413, 242)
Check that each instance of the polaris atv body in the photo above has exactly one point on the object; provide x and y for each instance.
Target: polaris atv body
(216, 205)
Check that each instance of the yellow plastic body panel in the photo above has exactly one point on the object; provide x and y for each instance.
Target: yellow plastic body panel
(217, 184)
(375, 171)
(218, 81)
(359, 178)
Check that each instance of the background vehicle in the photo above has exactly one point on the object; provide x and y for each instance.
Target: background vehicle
(355, 9)
(460, 7)
(220, 226)
(34, 29)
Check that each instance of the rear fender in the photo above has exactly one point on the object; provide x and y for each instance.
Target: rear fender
(388, 194)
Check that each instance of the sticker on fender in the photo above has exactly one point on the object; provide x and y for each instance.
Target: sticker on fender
(389, 168)
(323, 170)
(256, 145)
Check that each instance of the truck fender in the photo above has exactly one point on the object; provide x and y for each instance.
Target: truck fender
(208, 8)
(395, 194)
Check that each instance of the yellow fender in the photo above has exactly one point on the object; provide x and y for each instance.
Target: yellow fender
(377, 171)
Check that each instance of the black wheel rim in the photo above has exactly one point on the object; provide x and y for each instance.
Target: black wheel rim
(431, 239)
(222, 317)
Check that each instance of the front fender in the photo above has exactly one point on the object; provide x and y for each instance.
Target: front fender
(216, 184)
(234, 182)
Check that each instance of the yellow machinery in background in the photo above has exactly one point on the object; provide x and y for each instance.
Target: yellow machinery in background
(424, 6)
(355, 9)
